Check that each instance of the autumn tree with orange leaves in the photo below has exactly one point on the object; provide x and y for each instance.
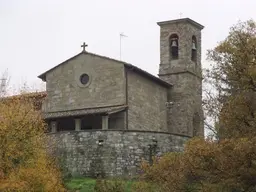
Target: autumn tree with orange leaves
(226, 163)
(25, 164)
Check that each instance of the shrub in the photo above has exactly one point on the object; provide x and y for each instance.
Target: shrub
(115, 185)
(24, 162)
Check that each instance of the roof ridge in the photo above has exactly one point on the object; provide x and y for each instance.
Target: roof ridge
(130, 66)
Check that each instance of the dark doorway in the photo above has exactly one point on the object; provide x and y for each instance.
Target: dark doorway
(66, 124)
(91, 122)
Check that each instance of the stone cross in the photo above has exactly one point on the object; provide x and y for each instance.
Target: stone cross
(83, 46)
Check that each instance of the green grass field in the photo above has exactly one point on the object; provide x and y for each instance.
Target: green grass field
(81, 184)
(87, 185)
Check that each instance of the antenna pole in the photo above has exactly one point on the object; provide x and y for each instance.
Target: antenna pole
(120, 51)
(121, 36)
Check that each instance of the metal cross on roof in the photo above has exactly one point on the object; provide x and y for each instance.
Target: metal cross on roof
(83, 46)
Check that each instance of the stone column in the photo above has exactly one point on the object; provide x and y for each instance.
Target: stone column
(105, 122)
(53, 125)
(78, 124)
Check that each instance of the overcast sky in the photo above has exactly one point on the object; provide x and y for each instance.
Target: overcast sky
(36, 35)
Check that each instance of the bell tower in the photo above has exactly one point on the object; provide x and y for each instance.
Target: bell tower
(180, 65)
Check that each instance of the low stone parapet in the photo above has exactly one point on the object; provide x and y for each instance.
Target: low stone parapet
(110, 153)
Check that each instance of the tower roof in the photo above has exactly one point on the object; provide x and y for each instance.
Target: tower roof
(183, 20)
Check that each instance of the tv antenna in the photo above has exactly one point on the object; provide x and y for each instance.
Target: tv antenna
(122, 35)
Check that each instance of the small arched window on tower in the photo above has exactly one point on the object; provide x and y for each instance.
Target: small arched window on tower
(174, 46)
(196, 124)
(194, 49)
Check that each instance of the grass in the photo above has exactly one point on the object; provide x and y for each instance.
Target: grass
(87, 185)
(81, 184)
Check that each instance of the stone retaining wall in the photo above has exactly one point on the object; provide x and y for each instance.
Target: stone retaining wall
(111, 152)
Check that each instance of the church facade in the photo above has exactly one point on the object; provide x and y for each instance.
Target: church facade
(106, 115)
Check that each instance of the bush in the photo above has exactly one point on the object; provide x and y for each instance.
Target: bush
(115, 185)
(204, 166)
(24, 161)
(142, 186)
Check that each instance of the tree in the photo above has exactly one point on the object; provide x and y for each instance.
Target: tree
(229, 163)
(25, 164)
(233, 75)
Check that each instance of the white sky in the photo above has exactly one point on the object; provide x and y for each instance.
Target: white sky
(36, 35)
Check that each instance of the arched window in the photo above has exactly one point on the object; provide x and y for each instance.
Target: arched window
(174, 46)
(196, 124)
(194, 49)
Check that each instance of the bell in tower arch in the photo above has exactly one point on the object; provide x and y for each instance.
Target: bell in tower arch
(174, 46)
(194, 49)
(174, 43)
(193, 45)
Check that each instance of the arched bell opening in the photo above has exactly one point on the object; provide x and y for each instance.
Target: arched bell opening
(174, 46)
(194, 50)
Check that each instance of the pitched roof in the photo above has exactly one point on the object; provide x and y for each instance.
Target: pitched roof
(127, 65)
(87, 111)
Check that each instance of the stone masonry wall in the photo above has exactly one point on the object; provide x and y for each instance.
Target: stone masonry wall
(106, 85)
(120, 154)
(146, 99)
(187, 101)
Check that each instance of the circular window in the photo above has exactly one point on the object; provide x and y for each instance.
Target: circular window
(84, 79)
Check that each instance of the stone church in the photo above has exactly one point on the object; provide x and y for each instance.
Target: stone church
(107, 115)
